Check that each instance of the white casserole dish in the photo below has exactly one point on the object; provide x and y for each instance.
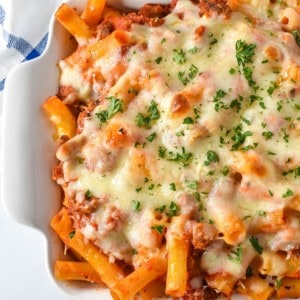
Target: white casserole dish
(28, 194)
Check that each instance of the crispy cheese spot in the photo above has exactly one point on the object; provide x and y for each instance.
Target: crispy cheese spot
(179, 106)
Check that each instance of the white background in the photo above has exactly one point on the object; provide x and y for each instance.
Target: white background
(23, 273)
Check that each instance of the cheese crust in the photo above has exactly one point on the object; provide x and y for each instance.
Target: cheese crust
(195, 112)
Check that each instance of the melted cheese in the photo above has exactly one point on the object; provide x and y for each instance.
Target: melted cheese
(241, 119)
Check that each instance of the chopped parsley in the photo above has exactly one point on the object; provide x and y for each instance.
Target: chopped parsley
(172, 186)
(295, 171)
(220, 94)
(278, 283)
(133, 91)
(232, 71)
(153, 111)
(158, 228)
(247, 71)
(211, 157)
(267, 135)
(145, 120)
(142, 120)
(239, 137)
(173, 209)
(225, 170)
(136, 205)
(80, 160)
(288, 193)
(193, 71)
(237, 255)
(158, 60)
(296, 35)
(188, 120)
(72, 234)
(244, 55)
(179, 56)
(184, 158)
(181, 76)
(88, 194)
(249, 272)
(255, 244)
(193, 50)
(244, 52)
(161, 208)
(162, 152)
(151, 137)
(273, 86)
(115, 106)
(192, 185)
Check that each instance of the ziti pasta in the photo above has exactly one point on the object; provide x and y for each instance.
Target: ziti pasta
(178, 134)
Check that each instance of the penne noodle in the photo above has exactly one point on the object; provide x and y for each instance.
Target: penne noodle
(149, 270)
(289, 288)
(279, 264)
(60, 116)
(104, 47)
(92, 13)
(256, 288)
(73, 23)
(178, 248)
(75, 270)
(109, 273)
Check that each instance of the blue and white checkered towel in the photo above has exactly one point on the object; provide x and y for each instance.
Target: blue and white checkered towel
(23, 32)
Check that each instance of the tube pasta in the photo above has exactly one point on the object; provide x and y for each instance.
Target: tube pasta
(155, 289)
(290, 19)
(138, 279)
(110, 273)
(278, 264)
(256, 288)
(178, 247)
(60, 116)
(289, 288)
(223, 282)
(92, 13)
(105, 46)
(75, 270)
(72, 22)
(227, 222)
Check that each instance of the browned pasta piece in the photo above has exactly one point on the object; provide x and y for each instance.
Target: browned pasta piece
(278, 264)
(256, 288)
(149, 270)
(223, 282)
(289, 288)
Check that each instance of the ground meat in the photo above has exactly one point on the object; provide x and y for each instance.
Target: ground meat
(151, 14)
(57, 172)
(154, 10)
(105, 29)
(85, 113)
(204, 293)
(64, 91)
(214, 7)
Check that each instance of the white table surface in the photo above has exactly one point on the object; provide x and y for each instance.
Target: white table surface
(23, 273)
